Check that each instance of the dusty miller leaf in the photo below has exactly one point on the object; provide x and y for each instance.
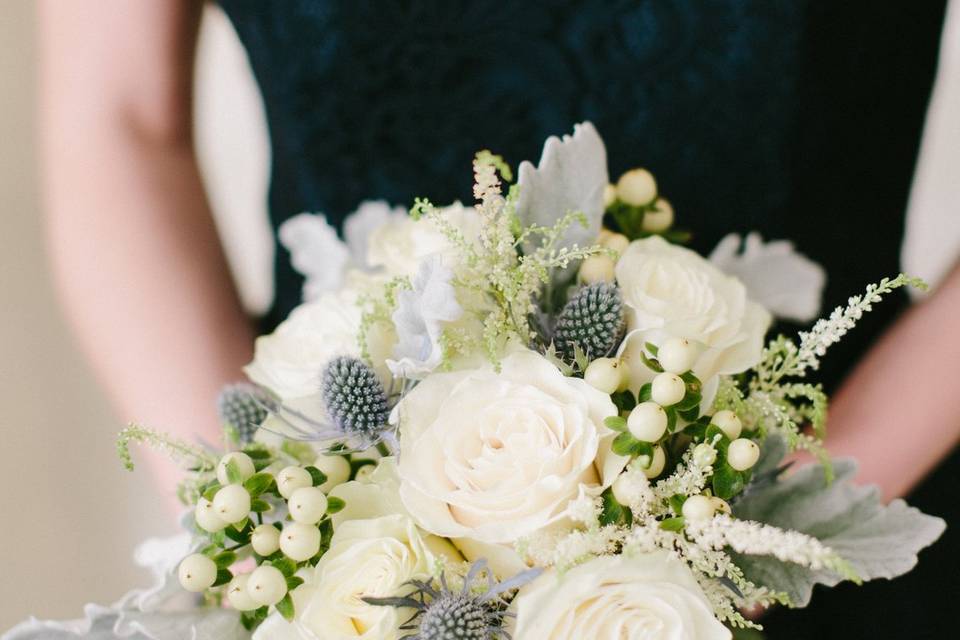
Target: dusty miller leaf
(571, 176)
(878, 541)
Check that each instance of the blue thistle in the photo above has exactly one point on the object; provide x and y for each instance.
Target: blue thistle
(444, 614)
(356, 400)
(592, 320)
(357, 409)
(240, 408)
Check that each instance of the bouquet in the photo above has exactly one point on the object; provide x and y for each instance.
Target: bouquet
(537, 417)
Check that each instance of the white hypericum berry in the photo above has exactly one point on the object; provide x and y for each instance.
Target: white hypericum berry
(728, 422)
(704, 455)
(604, 374)
(207, 518)
(637, 187)
(232, 503)
(609, 195)
(655, 465)
(197, 572)
(307, 505)
(265, 539)
(677, 355)
(616, 241)
(667, 389)
(292, 478)
(698, 508)
(266, 585)
(622, 489)
(243, 463)
(720, 505)
(336, 468)
(300, 541)
(597, 268)
(365, 472)
(237, 594)
(647, 422)
(743, 454)
(659, 218)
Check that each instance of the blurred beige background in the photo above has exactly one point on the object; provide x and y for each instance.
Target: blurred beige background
(72, 515)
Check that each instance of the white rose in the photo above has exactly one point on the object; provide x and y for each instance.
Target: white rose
(290, 360)
(649, 597)
(497, 456)
(368, 558)
(401, 243)
(670, 291)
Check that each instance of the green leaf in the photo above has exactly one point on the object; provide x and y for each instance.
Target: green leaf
(256, 453)
(211, 491)
(624, 400)
(251, 619)
(672, 524)
(616, 423)
(676, 502)
(877, 541)
(293, 582)
(285, 608)
(671, 418)
(641, 448)
(623, 444)
(223, 577)
(286, 566)
(652, 363)
(652, 348)
(224, 559)
(260, 506)
(319, 477)
(691, 400)
(335, 504)
(234, 476)
(727, 481)
(239, 526)
(613, 512)
(242, 537)
(646, 392)
(258, 483)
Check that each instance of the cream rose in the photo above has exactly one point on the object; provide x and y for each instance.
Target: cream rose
(649, 597)
(496, 456)
(374, 557)
(290, 360)
(401, 243)
(669, 292)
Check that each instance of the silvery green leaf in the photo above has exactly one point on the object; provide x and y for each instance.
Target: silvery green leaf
(877, 541)
(316, 252)
(786, 283)
(571, 176)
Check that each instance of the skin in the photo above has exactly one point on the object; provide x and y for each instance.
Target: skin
(156, 310)
(135, 253)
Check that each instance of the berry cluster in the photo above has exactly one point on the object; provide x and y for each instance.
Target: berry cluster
(231, 512)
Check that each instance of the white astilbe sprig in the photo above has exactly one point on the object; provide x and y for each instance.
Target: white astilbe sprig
(508, 282)
(755, 538)
(783, 358)
(634, 488)
(688, 479)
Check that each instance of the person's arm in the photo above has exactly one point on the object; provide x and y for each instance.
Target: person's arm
(899, 412)
(134, 249)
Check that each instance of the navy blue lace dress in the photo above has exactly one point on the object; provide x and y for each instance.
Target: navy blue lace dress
(799, 118)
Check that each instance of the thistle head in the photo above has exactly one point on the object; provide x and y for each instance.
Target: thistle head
(355, 398)
(469, 613)
(592, 320)
(240, 409)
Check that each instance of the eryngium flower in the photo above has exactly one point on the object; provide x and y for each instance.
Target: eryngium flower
(355, 399)
(467, 614)
(592, 320)
(239, 407)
